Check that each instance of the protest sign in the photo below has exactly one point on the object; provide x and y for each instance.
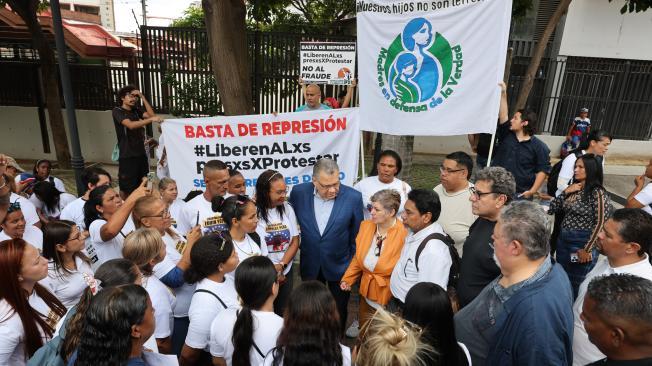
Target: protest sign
(327, 62)
(289, 142)
(431, 67)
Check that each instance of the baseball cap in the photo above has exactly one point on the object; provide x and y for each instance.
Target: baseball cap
(584, 110)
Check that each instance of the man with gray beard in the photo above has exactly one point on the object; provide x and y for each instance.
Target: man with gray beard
(525, 316)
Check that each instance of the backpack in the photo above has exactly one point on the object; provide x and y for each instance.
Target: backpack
(554, 174)
(49, 354)
(454, 273)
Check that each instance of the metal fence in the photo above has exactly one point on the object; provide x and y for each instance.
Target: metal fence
(175, 72)
(618, 94)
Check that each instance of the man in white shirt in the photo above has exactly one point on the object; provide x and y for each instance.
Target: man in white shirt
(92, 178)
(625, 241)
(642, 197)
(422, 210)
(199, 210)
(456, 214)
(598, 144)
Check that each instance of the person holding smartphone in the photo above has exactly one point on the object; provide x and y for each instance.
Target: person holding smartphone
(586, 206)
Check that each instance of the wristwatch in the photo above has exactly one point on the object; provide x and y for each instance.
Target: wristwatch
(284, 265)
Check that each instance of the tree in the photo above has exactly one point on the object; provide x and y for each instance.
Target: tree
(540, 49)
(28, 11)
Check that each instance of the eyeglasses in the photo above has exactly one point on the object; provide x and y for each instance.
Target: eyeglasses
(328, 187)
(282, 192)
(475, 193)
(379, 244)
(165, 213)
(134, 95)
(82, 235)
(443, 169)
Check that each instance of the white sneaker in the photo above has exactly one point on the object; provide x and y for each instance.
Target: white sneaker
(354, 330)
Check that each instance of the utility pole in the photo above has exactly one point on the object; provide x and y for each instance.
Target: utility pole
(77, 161)
(142, 2)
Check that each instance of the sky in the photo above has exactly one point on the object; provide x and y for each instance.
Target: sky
(159, 12)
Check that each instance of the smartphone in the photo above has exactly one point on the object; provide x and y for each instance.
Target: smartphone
(150, 180)
(27, 180)
(574, 258)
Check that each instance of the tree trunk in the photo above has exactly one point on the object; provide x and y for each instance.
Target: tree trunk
(227, 37)
(539, 51)
(27, 11)
(404, 146)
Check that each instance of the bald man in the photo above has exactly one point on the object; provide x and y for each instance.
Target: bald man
(313, 99)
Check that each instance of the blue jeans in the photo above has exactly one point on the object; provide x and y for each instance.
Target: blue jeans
(569, 242)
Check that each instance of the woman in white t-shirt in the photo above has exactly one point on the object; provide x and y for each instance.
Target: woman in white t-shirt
(239, 214)
(146, 249)
(311, 330)
(278, 229)
(428, 306)
(69, 270)
(388, 167)
(40, 173)
(14, 226)
(212, 257)
(28, 311)
(243, 336)
(49, 201)
(152, 212)
(170, 195)
(108, 221)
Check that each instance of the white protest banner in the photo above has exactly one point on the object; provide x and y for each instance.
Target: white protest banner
(289, 142)
(327, 62)
(431, 67)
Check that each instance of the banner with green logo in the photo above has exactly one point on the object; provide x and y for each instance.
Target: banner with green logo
(431, 68)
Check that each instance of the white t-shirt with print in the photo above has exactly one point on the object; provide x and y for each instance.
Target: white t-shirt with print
(28, 209)
(32, 235)
(172, 257)
(370, 185)
(100, 251)
(267, 327)
(346, 357)
(247, 248)
(12, 333)
(74, 212)
(204, 307)
(176, 210)
(277, 232)
(68, 287)
(198, 210)
(645, 198)
(163, 303)
(64, 200)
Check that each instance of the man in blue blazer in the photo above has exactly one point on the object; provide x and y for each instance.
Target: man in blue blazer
(329, 215)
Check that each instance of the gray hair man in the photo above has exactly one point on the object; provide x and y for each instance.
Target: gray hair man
(525, 316)
(624, 243)
(617, 315)
(329, 215)
(494, 188)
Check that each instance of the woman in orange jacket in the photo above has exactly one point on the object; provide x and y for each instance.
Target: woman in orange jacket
(378, 248)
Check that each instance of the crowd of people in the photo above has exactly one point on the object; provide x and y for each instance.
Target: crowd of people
(472, 272)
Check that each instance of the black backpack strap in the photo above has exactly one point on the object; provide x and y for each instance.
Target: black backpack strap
(255, 237)
(214, 295)
(443, 237)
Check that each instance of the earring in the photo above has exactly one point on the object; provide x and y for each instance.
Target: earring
(20, 278)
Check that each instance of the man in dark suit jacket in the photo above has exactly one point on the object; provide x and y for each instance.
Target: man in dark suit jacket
(329, 215)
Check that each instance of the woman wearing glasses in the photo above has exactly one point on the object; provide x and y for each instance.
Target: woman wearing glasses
(277, 226)
(69, 270)
(378, 248)
(239, 214)
(388, 167)
(15, 227)
(152, 212)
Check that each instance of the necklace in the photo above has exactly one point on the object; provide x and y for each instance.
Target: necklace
(252, 250)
